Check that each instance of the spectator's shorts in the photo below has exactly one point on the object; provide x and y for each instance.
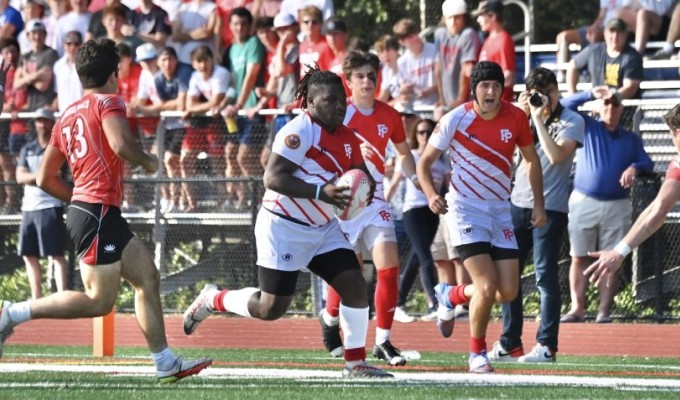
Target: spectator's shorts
(4, 137)
(285, 245)
(41, 233)
(596, 224)
(251, 132)
(16, 142)
(206, 139)
(98, 231)
(480, 221)
(442, 247)
(374, 225)
(173, 140)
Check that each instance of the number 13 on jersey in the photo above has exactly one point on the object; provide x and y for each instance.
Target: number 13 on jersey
(77, 149)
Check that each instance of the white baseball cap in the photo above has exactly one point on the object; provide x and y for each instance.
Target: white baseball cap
(146, 52)
(454, 7)
(283, 19)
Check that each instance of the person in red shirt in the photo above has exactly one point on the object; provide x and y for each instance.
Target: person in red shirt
(13, 133)
(128, 84)
(314, 49)
(499, 46)
(375, 123)
(94, 138)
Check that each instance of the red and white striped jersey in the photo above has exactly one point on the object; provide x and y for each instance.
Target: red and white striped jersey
(481, 151)
(320, 156)
(376, 129)
(78, 134)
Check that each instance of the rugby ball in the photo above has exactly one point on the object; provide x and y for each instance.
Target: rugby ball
(360, 189)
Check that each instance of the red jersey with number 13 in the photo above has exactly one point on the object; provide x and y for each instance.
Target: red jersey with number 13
(78, 134)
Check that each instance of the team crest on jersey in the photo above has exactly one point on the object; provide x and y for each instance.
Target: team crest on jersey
(506, 135)
(348, 150)
(292, 141)
(382, 130)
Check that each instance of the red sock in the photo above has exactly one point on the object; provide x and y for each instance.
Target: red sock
(332, 302)
(477, 345)
(357, 354)
(457, 295)
(386, 296)
(218, 303)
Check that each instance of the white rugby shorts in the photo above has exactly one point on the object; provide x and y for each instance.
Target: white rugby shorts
(474, 220)
(288, 246)
(374, 225)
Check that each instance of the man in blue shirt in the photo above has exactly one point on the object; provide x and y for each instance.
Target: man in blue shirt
(599, 207)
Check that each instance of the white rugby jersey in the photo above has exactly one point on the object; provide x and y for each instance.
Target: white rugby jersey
(320, 156)
(481, 151)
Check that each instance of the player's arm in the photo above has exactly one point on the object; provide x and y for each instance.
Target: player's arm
(278, 176)
(122, 143)
(424, 172)
(407, 162)
(49, 176)
(535, 176)
(651, 219)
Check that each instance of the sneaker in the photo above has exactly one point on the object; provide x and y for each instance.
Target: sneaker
(198, 311)
(429, 317)
(479, 363)
(331, 337)
(6, 326)
(445, 320)
(182, 369)
(498, 353)
(538, 354)
(660, 55)
(441, 291)
(386, 351)
(365, 370)
(402, 316)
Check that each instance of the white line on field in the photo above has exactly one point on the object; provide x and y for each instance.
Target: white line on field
(402, 378)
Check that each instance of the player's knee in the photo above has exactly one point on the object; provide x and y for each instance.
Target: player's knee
(486, 290)
(273, 311)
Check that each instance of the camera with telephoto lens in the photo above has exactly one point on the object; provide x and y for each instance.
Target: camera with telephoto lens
(536, 99)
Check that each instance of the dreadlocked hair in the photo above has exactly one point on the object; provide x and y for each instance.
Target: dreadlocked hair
(314, 77)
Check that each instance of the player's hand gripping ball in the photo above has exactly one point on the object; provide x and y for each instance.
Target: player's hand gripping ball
(359, 188)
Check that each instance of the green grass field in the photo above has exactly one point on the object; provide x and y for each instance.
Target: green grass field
(42, 372)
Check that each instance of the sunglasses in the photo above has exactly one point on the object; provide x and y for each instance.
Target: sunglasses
(613, 101)
(424, 132)
(311, 21)
(73, 43)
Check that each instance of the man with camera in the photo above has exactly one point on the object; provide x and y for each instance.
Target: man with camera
(557, 133)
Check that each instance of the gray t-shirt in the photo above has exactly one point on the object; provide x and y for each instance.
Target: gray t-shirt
(32, 62)
(35, 198)
(570, 125)
(454, 51)
(610, 71)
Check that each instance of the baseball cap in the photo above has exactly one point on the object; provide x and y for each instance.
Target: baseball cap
(282, 20)
(454, 7)
(616, 24)
(35, 25)
(45, 113)
(146, 52)
(335, 25)
(490, 6)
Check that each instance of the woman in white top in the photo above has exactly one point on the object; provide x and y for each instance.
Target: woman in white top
(420, 222)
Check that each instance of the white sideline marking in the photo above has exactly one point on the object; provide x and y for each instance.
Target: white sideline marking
(402, 378)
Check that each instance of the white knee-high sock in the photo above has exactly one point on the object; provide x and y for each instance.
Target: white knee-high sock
(236, 301)
(354, 325)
